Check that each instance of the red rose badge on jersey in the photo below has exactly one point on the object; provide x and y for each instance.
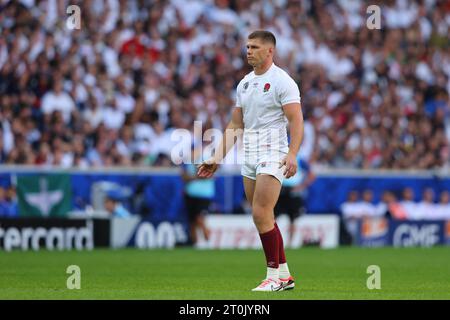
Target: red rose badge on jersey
(266, 87)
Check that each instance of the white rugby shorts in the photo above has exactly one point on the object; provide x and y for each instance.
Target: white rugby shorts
(264, 165)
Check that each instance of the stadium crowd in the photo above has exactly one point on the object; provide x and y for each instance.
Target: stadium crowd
(112, 92)
(405, 207)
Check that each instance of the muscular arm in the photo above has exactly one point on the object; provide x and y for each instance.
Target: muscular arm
(294, 115)
(234, 130)
(293, 112)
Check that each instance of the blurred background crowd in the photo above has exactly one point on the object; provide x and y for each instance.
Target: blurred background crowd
(399, 205)
(112, 92)
(406, 206)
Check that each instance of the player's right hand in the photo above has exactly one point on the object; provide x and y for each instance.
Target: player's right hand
(207, 168)
(291, 165)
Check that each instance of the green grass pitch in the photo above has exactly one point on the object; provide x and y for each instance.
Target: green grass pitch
(181, 273)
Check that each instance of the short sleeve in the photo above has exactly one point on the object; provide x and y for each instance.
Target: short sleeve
(288, 91)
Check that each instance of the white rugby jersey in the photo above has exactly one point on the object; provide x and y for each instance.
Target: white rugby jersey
(261, 98)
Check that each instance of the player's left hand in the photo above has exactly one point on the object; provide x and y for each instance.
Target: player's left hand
(290, 162)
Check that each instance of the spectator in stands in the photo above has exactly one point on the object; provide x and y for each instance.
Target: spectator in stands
(408, 204)
(350, 206)
(426, 209)
(443, 207)
(125, 145)
(390, 207)
(382, 208)
(93, 113)
(113, 116)
(58, 100)
(367, 207)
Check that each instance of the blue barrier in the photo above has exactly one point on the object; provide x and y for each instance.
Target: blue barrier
(162, 191)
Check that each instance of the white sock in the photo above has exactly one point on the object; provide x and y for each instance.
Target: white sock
(273, 273)
(284, 271)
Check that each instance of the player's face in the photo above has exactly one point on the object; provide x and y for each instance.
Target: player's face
(258, 51)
